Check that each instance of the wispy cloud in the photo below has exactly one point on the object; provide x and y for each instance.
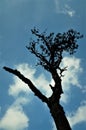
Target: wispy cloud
(62, 7)
(71, 76)
(68, 10)
(18, 86)
(78, 116)
(15, 118)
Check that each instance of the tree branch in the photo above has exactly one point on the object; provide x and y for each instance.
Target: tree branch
(43, 61)
(35, 32)
(28, 82)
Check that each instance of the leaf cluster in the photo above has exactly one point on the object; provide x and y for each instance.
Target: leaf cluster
(49, 48)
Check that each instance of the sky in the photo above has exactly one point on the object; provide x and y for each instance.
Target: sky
(20, 109)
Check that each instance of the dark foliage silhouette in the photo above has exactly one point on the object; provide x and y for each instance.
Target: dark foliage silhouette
(49, 50)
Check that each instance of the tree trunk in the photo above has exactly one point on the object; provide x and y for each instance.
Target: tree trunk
(58, 115)
(56, 109)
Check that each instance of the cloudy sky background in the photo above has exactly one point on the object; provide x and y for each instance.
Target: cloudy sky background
(19, 108)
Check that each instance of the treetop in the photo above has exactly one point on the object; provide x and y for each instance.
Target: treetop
(49, 48)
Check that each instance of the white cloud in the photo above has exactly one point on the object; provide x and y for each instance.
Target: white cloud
(18, 86)
(69, 11)
(71, 76)
(21, 101)
(78, 116)
(15, 118)
(43, 84)
(63, 7)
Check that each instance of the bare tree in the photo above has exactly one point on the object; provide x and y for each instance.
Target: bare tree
(49, 50)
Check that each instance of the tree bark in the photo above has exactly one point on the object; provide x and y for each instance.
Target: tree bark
(56, 109)
(58, 115)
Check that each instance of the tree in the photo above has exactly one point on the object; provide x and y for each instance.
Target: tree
(49, 50)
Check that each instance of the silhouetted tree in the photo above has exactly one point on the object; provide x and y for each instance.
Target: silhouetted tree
(49, 51)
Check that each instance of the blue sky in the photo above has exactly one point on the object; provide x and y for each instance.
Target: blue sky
(19, 108)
